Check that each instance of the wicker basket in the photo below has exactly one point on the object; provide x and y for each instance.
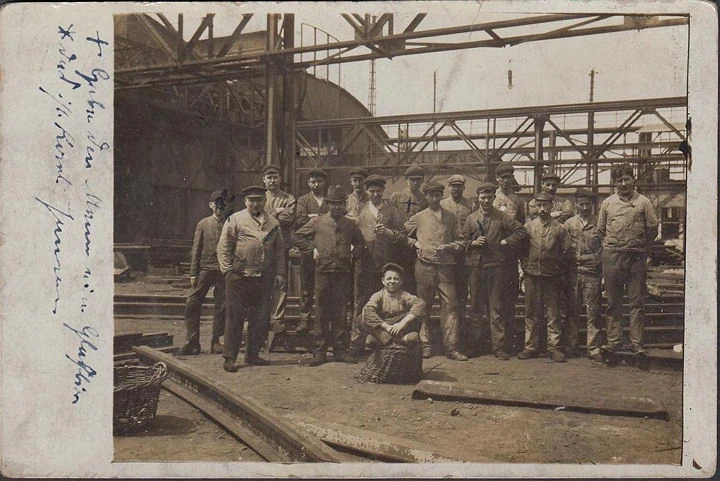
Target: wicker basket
(393, 364)
(135, 396)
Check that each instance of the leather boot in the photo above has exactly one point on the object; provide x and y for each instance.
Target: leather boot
(216, 347)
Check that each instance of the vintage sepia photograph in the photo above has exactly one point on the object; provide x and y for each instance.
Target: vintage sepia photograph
(358, 239)
(428, 236)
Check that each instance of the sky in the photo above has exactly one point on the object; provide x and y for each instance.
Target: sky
(636, 64)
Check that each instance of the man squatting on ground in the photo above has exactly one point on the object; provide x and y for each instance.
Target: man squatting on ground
(330, 239)
(393, 314)
(309, 206)
(584, 276)
(546, 262)
(204, 274)
(491, 240)
(281, 206)
(628, 226)
(381, 226)
(251, 254)
(438, 240)
(409, 202)
(460, 207)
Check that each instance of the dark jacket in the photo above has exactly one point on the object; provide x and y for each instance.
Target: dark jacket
(381, 249)
(495, 226)
(586, 244)
(306, 206)
(332, 239)
(203, 255)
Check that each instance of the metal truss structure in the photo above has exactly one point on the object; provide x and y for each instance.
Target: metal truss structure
(249, 79)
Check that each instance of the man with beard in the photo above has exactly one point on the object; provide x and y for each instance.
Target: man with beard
(251, 254)
(381, 226)
(309, 206)
(628, 225)
(281, 206)
(204, 274)
(491, 237)
(330, 239)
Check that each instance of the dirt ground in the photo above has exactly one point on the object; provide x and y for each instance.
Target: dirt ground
(482, 433)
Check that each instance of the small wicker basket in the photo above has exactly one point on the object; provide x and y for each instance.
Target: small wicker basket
(135, 396)
(393, 364)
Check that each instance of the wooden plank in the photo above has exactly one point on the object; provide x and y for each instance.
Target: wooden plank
(569, 401)
(370, 443)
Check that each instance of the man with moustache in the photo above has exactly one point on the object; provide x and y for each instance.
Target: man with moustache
(409, 202)
(359, 195)
(308, 207)
(438, 242)
(280, 205)
(491, 239)
(204, 274)
(330, 239)
(251, 254)
(546, 262)
(381, 226)
(628, 225)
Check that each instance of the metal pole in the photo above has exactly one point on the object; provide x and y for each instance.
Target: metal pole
(270, 78)
(592, 169)
(539, 124)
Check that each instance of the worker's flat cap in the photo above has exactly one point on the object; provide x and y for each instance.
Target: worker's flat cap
(270, 169)
(585, 193)
(456, 179)
(218, 194)
(415, 171)
(503, 169)
(391, 266)
(486, 187)
(253, 191)
(336, 193)
(550, 176)
(375, 179)
(358, 172)
(316, 173)
(432, 186)
(543, 196)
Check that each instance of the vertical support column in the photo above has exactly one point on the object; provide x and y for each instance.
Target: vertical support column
(592, 167)
(539, 125)
(287, 159)
(270, 89)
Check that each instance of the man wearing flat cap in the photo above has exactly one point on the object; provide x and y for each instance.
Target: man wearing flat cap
(205, 274)
(381, 225)
(584, 277)
(330, 239)
(561, 208)
(409, 202)
(280, 205)
(438, 240)
(460, 207)
(547, 260)
(251, 254)
(492, 238)
(359, 195)
(308, 207)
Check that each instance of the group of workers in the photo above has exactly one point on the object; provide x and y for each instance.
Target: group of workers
(384, 260)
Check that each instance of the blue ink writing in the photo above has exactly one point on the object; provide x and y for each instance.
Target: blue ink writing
(66, 32)
(90, 150)
(86, 289)
(63, 141)
(63, 109)
(99, 42)
(92, 202)
(58, 215)
(84, 372)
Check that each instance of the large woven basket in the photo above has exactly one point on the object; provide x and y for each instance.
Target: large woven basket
(135, 396)
(393, 364)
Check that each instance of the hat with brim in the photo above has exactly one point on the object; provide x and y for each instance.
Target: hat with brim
(253, 191)
(391, 266)
(271, 169)
(218, 194)
(375, 179)
(316, 173)
(336, 193)
(358, 172)
(543, 197)
(414, 171)
(585, 194)
(456, 179)
(550, 176)
(486, 187)
(432, 186)
(503, 169)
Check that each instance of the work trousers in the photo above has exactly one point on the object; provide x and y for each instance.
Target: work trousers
(407, 261)
(367, 282)
(385, 337)
(620, 269)
(307, 281)
(542, 291)
(248, 300)
(462, 273)
(587, 292)
(518, 325)
(441, 278)
(193, 306)
(332, 291)
(491, 322)
(279, 298)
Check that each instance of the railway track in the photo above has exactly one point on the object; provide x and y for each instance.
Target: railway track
(273, 437)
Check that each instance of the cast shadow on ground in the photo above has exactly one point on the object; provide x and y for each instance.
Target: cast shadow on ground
(164, 425)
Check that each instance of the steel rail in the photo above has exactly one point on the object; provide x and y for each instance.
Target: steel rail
(263, 430)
